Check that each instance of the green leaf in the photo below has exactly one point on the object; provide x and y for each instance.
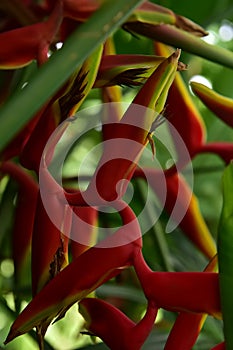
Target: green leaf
(23, 105)
(225, 251)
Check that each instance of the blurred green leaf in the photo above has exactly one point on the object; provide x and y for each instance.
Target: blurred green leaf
(225, 251)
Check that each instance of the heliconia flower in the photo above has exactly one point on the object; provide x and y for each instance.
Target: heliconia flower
(114, 327)
(21, 46)
(119, 157)
(183, 207)
(220, 105)
(187, 326)
(92, 268)
(196, 292)
(150, 13)
(23, 224)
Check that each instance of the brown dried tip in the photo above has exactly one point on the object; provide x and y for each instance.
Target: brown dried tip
(182, 66)
(176, 54)
(190, 26)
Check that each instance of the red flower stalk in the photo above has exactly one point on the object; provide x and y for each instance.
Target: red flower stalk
(223, 149)
(180, 291)
(21, 46)
(187, 326)
(114, 327)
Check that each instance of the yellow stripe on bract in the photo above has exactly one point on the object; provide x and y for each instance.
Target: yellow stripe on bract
(212, 95)
(80, 84)
(205, 238)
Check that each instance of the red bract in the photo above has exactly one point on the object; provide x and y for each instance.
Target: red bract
(189, 324)
(21, 46)
(47, 263)
(221, 346)
(84, 235)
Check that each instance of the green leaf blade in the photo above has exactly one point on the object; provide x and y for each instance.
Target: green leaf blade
(225, 252)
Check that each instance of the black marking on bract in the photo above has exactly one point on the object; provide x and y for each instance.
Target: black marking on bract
(130, 77)
(74, 95)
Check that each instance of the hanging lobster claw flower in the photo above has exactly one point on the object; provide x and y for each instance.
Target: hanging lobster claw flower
(92, 268)
(196, 292)
(187, 326)
(114, 327)
(220, 105)
(21, 46)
